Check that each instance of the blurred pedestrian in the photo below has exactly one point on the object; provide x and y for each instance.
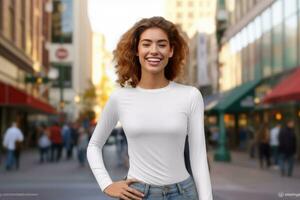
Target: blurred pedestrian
(243, 136)
(44, 144)
(67, 140)
(56, 142)
(13, 138)
(83, 141)
(274, 143)
(287, 148)
(157, 114)
(121, 144)
(264, 146)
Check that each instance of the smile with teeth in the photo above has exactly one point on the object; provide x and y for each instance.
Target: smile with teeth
(153, 60)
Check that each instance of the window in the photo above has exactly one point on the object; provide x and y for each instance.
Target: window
(62, 21)
(290, 38)
(257, 27)
(290, 8)
(277, 10)
(65, 76)
(12, 32)
(266, 20)
(266, 54)
(22, 22)
(179, 15)
(277, 49)
(1, 15)
(178, 3)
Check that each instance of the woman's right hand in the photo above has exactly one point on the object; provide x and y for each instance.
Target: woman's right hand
(122, 190)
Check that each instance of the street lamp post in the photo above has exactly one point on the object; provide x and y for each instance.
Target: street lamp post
(222, 153)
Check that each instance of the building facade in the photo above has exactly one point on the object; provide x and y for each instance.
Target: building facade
(259, 49)
(70, 54)
(24, 35)
(192, 15)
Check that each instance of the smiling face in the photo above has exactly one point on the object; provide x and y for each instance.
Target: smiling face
(154, 51)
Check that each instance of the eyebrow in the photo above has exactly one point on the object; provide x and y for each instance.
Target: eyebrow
(148, 40)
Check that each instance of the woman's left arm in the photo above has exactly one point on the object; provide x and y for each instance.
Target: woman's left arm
(197, 146)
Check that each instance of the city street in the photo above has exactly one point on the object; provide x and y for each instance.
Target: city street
(66, 180)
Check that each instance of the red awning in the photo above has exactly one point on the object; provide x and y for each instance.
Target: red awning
(11, 96)
(287, 90)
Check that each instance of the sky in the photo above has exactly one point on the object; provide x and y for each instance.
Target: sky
(115, 17)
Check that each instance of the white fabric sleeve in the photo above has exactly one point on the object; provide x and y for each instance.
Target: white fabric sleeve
(107, 121)
(197, 147)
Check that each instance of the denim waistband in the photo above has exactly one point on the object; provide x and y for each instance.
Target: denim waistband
(179, 187)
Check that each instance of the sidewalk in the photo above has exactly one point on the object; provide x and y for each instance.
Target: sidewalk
(243, 179)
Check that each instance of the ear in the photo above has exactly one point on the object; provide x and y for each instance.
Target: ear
(171, 53)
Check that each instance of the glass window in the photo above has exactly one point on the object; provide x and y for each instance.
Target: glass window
(290, 41)
(257, 23)
(277, 49)
(266, 54)
(258, 57)
(266, 20)
(277, 11)
(251, 32)
(244, 38)
(1, 17)
(251, 61)
(62, 21)
(239, 41)
(245, 65)
(65, 75)
(290, 7)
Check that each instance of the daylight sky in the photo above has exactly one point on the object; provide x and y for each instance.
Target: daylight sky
(114, 17)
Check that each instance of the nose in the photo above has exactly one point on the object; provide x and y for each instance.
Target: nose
(153, 49)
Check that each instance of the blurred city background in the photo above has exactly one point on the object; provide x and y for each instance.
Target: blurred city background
(57, 72)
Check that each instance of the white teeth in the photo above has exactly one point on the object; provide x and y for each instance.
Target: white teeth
(153, 59)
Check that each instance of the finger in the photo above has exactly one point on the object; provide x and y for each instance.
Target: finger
(131, 196)
(133, 180)
(134, 191)
(123, 197)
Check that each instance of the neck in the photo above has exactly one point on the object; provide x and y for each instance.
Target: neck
(153, 82)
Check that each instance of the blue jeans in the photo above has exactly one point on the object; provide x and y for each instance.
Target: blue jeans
(10, 159)
(289, 160)
(184, 190)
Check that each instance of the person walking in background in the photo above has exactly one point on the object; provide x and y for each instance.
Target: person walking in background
(287, 148)
(56, 142)
(263, 146)
(121, 144)
(13, 137)
(67, 140)
(44, 144)
(274, 143)
(82, 144)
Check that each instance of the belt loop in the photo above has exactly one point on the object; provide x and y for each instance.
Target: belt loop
(146, 189)
(181, 191)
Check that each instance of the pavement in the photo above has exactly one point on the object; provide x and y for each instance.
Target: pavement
(241, 179)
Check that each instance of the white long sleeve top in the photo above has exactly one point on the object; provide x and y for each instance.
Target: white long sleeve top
(156, 122)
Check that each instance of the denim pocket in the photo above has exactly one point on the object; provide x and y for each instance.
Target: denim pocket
(190, 193)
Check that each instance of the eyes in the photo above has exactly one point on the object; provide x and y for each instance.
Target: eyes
(148, 44)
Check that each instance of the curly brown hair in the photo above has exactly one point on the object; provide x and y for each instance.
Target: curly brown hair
(128, 67)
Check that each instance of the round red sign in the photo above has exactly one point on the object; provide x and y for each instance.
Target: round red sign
(61, 53)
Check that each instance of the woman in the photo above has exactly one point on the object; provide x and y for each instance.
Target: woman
(156, 114)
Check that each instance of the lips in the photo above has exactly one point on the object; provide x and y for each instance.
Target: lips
(154, 61)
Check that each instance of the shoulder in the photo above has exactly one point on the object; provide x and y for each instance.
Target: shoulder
(118, 92)
(189, 91)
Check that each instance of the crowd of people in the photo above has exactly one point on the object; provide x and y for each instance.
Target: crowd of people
(277, 146)
(52, 141)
